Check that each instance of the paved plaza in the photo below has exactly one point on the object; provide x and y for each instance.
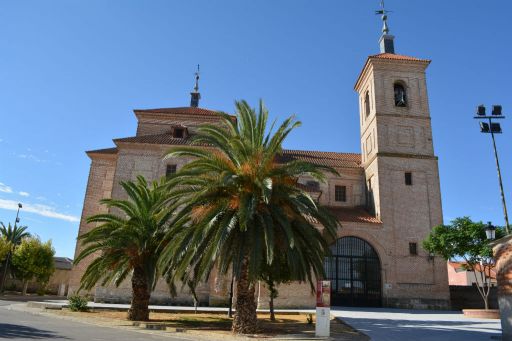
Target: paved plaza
(383, 324)
(380, 324)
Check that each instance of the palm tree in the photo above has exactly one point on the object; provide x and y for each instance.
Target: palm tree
(245, 208)
(14, 236)
(129, 241)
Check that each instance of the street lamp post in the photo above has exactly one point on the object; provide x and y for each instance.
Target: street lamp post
(494, 128)
(490, 231)
(6, 264)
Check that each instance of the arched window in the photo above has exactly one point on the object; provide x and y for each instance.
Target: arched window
(367, 103)
(400, 95)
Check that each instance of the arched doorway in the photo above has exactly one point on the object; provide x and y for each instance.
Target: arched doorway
(355, 273)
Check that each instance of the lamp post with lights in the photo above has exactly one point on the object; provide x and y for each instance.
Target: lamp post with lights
(494, 128)
(490, 231)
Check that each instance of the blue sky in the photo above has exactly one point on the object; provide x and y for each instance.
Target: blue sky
(71, 72)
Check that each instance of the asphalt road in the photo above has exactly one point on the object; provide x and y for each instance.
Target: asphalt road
(19, 325)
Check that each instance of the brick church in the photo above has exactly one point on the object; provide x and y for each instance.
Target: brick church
(387, 198)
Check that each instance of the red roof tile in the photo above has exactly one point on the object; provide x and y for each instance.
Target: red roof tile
(155, 139)
(329, 159)
(181, 110)
(103, 151)
(350, 215)
(354, 215)
(460, 267)
(387, 56)
(398, 57)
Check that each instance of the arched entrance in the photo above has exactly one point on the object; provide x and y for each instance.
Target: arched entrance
(355, 273)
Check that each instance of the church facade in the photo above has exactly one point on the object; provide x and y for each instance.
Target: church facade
(387, 198)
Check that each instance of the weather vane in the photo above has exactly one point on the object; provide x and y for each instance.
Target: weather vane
(384, 13)
(196, 87)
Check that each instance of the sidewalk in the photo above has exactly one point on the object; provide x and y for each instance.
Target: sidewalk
(51, 308)
(387, 324)
(58, 304)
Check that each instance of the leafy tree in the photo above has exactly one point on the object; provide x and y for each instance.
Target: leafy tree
(272, 275)
(5, 247)
(245, 208)
(33, 259)
(465, 239)
(130, 241)
(14, 236)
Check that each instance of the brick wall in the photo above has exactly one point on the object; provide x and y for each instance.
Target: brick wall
(468, 297)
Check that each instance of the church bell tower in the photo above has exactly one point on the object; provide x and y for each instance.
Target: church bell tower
(401, 169)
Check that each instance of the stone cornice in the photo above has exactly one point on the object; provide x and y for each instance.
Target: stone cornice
(399, 155)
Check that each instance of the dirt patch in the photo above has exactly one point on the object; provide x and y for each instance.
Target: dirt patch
(296, 324)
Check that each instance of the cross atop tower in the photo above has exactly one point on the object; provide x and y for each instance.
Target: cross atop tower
(386, 40)
(195, 95)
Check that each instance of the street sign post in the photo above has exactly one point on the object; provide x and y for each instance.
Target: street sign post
(323, 308)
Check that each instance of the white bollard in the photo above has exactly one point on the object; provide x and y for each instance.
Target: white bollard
(323, 321)
(62, 289)
(323, 308)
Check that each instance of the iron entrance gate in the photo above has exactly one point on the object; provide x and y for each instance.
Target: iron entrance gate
(355, 274)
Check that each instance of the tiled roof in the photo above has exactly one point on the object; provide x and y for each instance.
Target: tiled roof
(349, 215)
(182, 110)
(103, 151)
(63, 263)
(156, 139)
(393, 56)
(354, 215)
(329, 159)
(460, 267)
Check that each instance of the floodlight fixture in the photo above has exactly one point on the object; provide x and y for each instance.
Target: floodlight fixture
(484, 127)
(480, 110)
(495, 128)
(496, 110)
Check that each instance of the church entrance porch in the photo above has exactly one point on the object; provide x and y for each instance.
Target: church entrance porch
(355, 273)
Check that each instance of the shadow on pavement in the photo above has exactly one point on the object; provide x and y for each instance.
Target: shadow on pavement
(15, 331)
(19, 298)
(424, 330)
(397, 311)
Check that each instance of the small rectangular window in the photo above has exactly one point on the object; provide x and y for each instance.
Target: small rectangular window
(178, 133)
(170, 170)
(340, 193)
(413, 249)
(408, 178)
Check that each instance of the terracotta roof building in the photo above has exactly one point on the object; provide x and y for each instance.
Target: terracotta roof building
(459, 275)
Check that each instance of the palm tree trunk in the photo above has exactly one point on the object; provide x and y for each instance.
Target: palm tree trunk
(271, 307)
(140, 299)
(245, 321)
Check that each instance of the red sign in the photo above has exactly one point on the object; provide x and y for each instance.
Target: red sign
(323, 293)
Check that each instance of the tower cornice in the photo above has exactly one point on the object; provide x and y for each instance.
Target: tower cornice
(388, 59)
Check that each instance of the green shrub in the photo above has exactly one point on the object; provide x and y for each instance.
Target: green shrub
(78, 303)
(41, 291)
